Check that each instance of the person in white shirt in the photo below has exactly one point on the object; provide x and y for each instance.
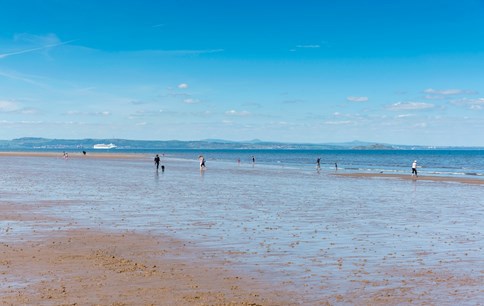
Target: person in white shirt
(414, 168)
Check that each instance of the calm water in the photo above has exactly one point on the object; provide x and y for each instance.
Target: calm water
(322, 235)
(430, 162)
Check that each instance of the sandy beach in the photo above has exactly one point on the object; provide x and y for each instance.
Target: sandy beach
(413, 178)
(95, 154)
(61, 264)
(105, 229)
(88, 267)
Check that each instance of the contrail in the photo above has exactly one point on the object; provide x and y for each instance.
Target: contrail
(4, 55)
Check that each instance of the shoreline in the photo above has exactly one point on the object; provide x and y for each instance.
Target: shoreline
(121, 155)
(96, 154)
(409, 177)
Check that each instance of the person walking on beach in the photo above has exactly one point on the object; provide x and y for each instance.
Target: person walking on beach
(318, 163)
(157, 161)
(202, 162)
(414, 168)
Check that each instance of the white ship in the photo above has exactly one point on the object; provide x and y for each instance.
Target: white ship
(104, 146)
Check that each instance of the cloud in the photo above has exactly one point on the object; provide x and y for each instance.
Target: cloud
(294, 101)
(28, 111)
(147, 113)
(405, 115)
(410, 106)
(13, 107)
(79, 113)
(420, 125)
(237, 113)
(308, 46)
(342, 122)
(357, 99)
(474, 104)
(449, 92)
(54, 42)
(304, 47)
(434, 97)
(183, 86)
(23, 122)
(20, 77)
(174, 52)
(8, 106)
(191, 101)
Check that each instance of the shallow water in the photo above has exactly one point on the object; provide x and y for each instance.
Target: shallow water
(324, 236)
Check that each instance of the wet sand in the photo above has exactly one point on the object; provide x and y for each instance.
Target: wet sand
(53, 260)
(65, 266)
(413, 178)
(62, 264)
(57, 263)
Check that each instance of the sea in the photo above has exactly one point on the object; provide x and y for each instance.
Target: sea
(460, 163)
(325, 237)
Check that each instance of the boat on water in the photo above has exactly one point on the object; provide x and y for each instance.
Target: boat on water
(104, 146)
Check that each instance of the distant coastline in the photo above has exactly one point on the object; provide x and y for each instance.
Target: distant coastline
(31, 143)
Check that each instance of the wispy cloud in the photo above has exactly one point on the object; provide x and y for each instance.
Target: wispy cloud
(191, 101)
(357, 99)
(21, 77)
(27, 111)
(410, 106)
(8, 106)
(22, 122)
(148, 113)
(434, 94)
(294, 101)
(301, 47)
(435, 97)
(175, 52)
(449, 92)
(308, 46)
(474, 104)
(237, 113)
(28, 50)
(405, 116)
(79, 113)
(420, 125)
(339, 122)
(183, 86)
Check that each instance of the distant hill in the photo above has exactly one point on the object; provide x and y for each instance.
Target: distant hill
(207, 144)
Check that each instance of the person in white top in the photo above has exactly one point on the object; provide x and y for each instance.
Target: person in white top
(414, 168)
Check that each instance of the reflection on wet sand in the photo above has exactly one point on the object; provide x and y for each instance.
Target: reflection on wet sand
(108, 230)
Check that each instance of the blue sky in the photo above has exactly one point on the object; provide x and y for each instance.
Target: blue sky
(404, 72)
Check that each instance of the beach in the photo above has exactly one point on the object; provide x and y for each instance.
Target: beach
(107, 229)
(89, 267)
(415, 178)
